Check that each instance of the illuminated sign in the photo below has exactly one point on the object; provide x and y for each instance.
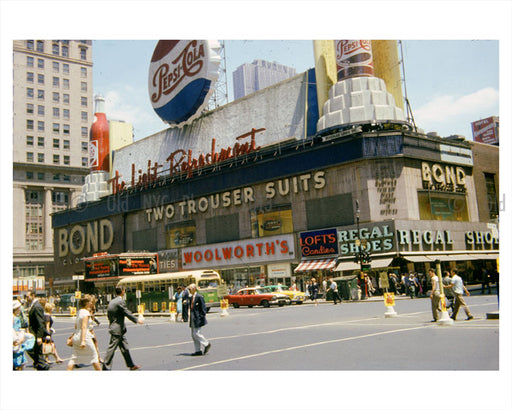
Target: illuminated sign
(318, 243)
(95, 236)
(376, 238)
(443, 177)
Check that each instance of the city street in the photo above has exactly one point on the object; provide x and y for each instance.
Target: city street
(347, 336)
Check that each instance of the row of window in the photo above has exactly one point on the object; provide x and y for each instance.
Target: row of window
(66, 144)
(55, 126)
(55, 81)
(57, 48)
(56, 66)
(56, 158)
(41, 176)
(55, 95)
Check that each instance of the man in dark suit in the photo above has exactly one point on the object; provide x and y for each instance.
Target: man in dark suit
(197, 321)
(116, 313)
(185, 301)
(38, 328)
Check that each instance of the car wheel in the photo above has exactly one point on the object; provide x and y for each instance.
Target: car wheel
(299, 302)
(249, 306)
(289, 302)
(236, 305)
(265, 303)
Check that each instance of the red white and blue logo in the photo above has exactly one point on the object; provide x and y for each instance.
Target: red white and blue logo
(181, 78)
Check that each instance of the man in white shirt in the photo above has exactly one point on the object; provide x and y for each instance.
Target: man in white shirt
(435, 295)
(458, 289)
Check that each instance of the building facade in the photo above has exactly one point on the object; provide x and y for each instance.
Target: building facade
(53, 107)
(249, 78)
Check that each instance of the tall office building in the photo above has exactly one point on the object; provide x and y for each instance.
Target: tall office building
(249, 78)
(53, 112)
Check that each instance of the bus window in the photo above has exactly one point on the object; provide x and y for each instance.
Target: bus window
(208, 283)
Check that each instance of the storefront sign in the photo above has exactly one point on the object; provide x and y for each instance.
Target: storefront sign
(279, 270)
(168, 260)
(426, 237)
(443, 177)
(479, 238)
(318, 243)
(378, 238)
(237, 197)
(245, 252)
(95, 236)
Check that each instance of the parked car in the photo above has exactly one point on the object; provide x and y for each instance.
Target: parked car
(256, 297)
(295, 295)
(67, 300)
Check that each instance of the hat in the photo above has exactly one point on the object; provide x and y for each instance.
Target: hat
(16, 304)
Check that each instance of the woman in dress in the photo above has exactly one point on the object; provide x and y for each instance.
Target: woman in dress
(178, 297)
(84, 351)
(48, 320)
(21, 341)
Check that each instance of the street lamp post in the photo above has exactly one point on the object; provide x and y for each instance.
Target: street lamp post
(359, 256)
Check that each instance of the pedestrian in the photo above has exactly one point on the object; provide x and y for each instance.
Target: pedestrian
(486, 281)
(185, 301)
(92, 310)
(448, 292)
(335, 294)
(178, 297)
(48, 320)
(197, 321)
(84, 351)
(306, 289)
(458, 288)
(38, 329)
(435, 295)
(324, 288)
(21, 341)
(313, 291)
(116, 313)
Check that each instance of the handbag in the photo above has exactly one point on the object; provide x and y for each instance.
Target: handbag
(47, 348)
(69, 340)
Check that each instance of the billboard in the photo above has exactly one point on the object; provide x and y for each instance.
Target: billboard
(486, 130)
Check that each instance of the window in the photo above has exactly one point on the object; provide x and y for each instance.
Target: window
(83, 72)
(66, 159)
(492, 197)
(56, 177)
(84, 116)
(40, 94)
(40, 176)
(85, 162)
(30, 140)
(30, 77)
(40, 126)
(83, 86)
(65, 68)
(85, 146)
(442, 206)
(83, 101)
(56, 112)
(56, 127)
(66, 144)
(40, 46)
(66, 178)
(30, 44)
(55, 66)
(30, 175)
(275, 221)
(60, 197)
(30, 108)
(65, 51)
(56, 159)
(56, 82)
(30, 61)
(55, 49)
(40, 79)
(85, 132)
(56, 97)
(40, 141)
(65, 83)
(30, 93)
(65, 129)
(56, 143)
(83, 53)
(30, 157)
(40, 63)
(65, 98)
(40, 159)
(30, 124)
(40, 110)
(65, 114)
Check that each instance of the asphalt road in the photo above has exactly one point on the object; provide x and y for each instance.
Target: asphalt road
(347, 336)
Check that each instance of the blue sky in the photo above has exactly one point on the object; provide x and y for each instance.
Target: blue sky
(449, 83)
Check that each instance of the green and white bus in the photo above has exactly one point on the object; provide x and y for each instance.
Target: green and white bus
(156, 291)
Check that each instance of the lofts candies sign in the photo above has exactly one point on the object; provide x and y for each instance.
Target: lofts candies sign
(181, 78)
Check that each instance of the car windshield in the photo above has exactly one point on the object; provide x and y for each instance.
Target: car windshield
(261, 291)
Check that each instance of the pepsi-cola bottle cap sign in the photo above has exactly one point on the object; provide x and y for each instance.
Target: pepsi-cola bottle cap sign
(181, 78)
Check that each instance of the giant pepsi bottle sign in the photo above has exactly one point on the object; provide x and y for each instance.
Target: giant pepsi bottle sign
(181, 78)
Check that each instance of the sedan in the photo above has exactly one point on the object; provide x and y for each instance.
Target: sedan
(294, 295)
(257, 297)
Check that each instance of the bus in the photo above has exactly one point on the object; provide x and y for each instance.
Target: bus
(156, 291)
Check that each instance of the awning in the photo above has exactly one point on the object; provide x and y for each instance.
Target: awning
(445, 257)
(380, 263)
(417, 258)
(348, 265)
(317, 264)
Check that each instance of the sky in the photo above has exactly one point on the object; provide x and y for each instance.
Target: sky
(449, 83)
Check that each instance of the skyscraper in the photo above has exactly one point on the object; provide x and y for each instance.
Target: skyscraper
(53, 112)
(249, 78)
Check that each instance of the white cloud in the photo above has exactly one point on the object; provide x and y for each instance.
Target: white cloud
(447, 108)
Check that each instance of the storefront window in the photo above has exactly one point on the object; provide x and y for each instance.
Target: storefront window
(273, 221)
(442, 206)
